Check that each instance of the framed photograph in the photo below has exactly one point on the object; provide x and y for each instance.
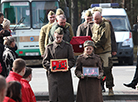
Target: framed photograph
(59, 65)
(91, 71)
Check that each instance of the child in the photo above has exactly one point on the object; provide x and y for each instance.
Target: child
(18, 68)
(25, 81)
(9, 55)
(60, 83)
(89, 88)
(13, 92)
(3, 88)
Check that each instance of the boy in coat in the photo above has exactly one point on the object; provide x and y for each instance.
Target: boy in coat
(18, 68)
(25, 81)
(60, 83)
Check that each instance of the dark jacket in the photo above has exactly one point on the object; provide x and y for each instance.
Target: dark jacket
(89, 88)
(9, 55)
(60, 83)
(6, 33)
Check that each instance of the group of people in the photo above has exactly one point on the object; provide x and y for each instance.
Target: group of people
(54, 43)
(16, 87)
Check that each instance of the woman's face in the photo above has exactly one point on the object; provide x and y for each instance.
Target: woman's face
(13, 44)
(88, 50)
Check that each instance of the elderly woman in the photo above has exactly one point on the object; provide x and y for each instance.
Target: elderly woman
(6, 24)
(89, 88)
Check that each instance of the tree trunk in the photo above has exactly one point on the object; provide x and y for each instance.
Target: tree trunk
(74, 15)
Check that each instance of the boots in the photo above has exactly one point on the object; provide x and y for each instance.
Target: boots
(130, 85)
(102, 84)
(110, 93)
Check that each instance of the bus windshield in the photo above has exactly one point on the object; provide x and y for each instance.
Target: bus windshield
(40, 11)
(119, 22)
(18, 13)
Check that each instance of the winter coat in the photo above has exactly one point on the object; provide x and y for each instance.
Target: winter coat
(8, 99)
(16, 77)
(28, 89)
(9, 55)
(60, 83)
(89, 88)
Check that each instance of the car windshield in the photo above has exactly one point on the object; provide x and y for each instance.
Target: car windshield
(40, 11)
(119, 22)
(18, 13)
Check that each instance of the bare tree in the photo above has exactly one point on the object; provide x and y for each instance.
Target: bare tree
(74, 15)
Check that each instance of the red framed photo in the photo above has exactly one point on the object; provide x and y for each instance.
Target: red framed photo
(59, 65)
(91, 71)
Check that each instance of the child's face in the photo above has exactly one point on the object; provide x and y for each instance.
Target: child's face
(88, 50)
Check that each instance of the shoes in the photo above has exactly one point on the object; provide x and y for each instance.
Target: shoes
(110, 93)
(130, 85)
(103, 89)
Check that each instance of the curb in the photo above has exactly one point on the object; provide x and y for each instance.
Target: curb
(117, 96)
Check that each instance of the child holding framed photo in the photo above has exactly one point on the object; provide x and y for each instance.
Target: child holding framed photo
(58, 60)
(89, 71)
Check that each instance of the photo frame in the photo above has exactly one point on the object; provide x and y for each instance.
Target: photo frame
(59, 65)
(90, 71)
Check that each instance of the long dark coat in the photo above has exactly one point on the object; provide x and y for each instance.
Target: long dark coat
(89, 89)
(60, 83)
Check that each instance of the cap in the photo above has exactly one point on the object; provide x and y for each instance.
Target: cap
(59, 11)
(88, 13)
(59, 30)
(97, 9)
(51, 13)
(88, 43)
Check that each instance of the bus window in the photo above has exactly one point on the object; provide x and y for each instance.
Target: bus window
(17, 13)
(40, 11)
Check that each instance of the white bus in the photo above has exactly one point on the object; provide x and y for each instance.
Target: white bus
(27, 17)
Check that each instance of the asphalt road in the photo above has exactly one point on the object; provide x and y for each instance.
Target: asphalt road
(122, 74)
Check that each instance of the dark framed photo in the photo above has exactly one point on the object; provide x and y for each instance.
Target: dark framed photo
(90, 71)
(59, 65)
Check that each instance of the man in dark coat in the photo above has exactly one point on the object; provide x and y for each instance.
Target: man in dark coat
(60, 83)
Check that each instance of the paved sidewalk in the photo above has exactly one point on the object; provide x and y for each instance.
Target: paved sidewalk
(122, 74)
